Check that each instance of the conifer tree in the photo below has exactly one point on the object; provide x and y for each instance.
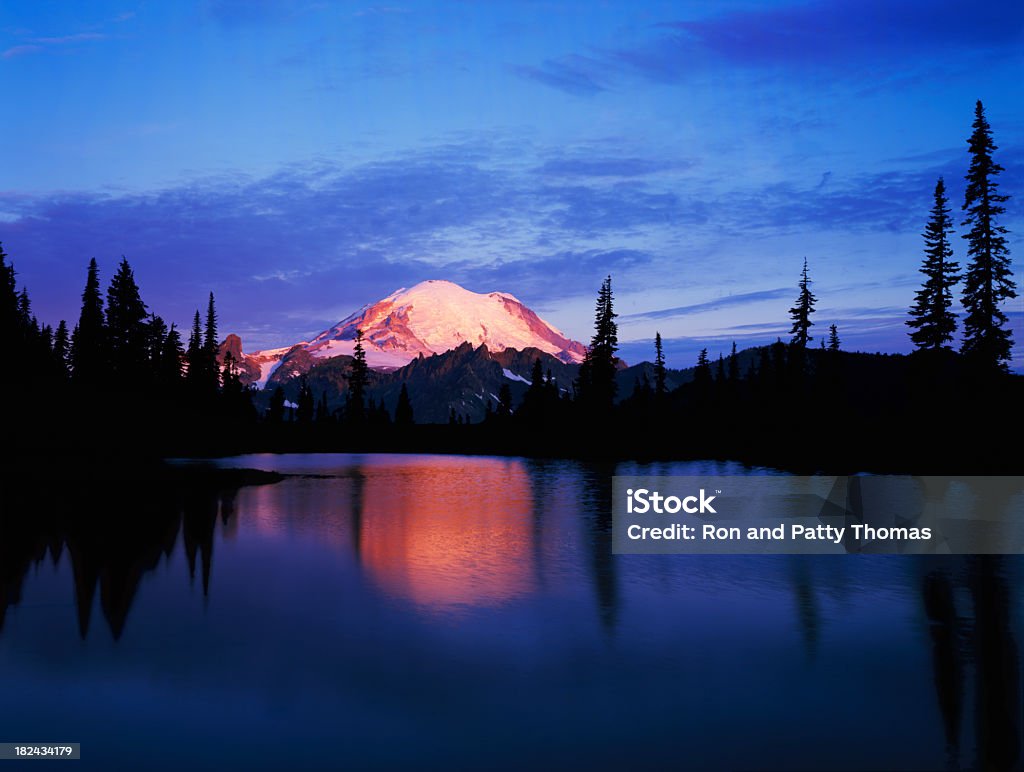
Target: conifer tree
(702, 373)
(10, 314)
(88, 349)
(358, 380)
(305, 403)
(988, 280)
(156, 334)
(126, 332)
(833, 338)
(403, 410)
(62, 348)
(195, 357)
(597, 373)
(171, 357)
(734, 365)
(210, 371)
(659, 366)
(534, 401)
(230, 379)
(801, 312)
(931, 320)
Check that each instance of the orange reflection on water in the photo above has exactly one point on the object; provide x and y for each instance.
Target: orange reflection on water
(445, 532)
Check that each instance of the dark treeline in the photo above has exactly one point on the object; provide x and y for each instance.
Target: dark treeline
(122, 383)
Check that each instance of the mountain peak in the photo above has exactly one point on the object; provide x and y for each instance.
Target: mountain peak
(435, 316)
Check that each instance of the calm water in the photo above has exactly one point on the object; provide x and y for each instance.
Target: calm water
(451, 612)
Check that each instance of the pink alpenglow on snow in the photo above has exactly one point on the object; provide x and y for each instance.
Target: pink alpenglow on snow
(433, 317)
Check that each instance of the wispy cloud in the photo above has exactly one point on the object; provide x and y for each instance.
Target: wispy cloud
(21, 50)
(741, 299)
(901, 42)
(39, 44)
(573, 74)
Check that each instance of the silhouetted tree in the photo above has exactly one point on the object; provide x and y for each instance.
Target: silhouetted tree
(720, 370)
(9, 306)
(156, 333)
(403, 410)
(702, 373)
(62, 348)
(357, 381)
(88, 344)
(833, 338)
(659, 366)
(127, 329)
(596, 380)
(211, 374)
(305, 405)
(230, 380)
(931, 320)
(988, 280)
(195, 358)
(734, 365)
(171, 357)
(801, 312)
(535, 402)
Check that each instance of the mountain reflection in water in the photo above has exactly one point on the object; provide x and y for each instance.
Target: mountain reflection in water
(472, 606)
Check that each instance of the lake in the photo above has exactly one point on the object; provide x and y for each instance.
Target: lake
(386, 611)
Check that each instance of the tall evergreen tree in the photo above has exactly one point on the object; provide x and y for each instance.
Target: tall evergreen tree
(210, 331)
(734, 365)
(931, 320)
(403, 410)
(358, 380)
(597, 373)
(127, 331)
(833, 338)
(230, 379)
(305, 404)
(156, 334)
(10, 314)
(88, 349)
(171, 357)
(988, 280)
(62, 348)
(801, 312)
(659, 365)
(534, 404)
(210, 371)
(195, 357)
(702, 373)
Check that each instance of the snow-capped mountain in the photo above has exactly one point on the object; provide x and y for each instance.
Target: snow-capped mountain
(431, 318)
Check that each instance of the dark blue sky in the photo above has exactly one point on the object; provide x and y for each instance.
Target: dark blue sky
(303, 159)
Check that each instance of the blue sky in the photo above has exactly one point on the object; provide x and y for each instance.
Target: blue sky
(302, 159)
